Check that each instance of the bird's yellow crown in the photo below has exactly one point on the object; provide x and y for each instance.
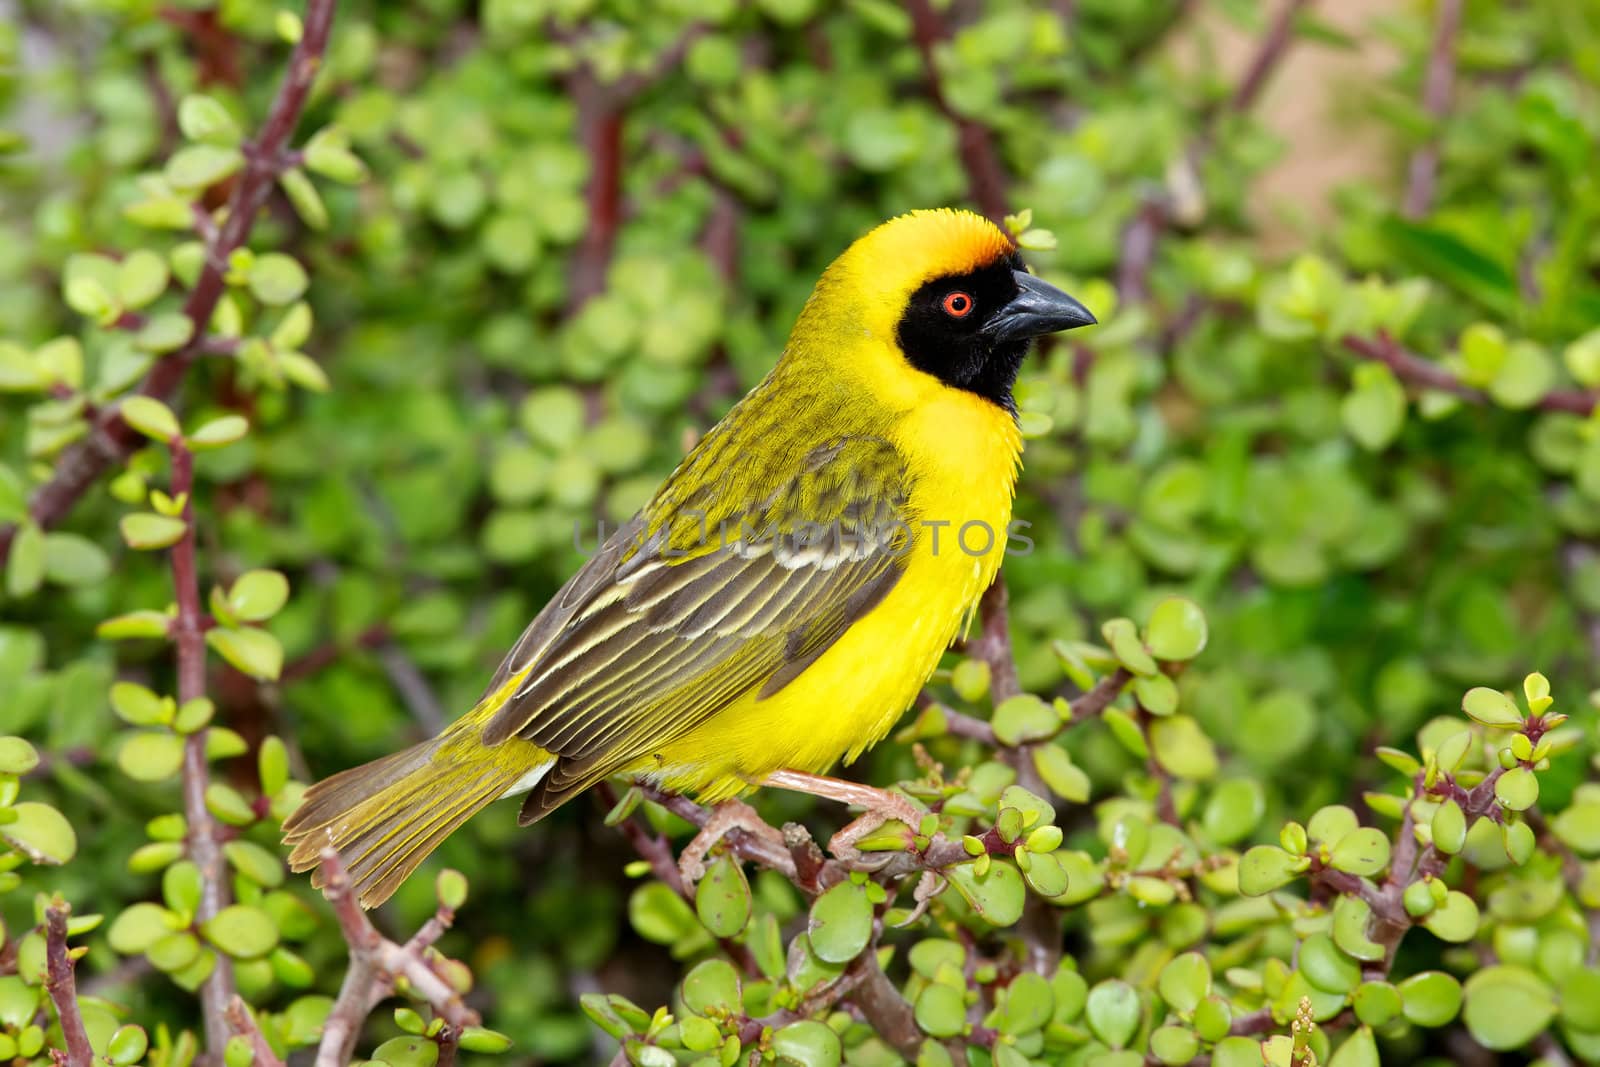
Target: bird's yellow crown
(929, 243)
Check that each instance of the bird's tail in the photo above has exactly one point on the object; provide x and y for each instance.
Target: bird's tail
(385, 817)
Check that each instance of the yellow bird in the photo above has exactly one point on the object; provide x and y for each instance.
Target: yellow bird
(786, 592)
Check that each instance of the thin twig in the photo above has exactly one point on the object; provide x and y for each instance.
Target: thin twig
(1423, 173)
(375, 964)
(244, 1024)
(1268, 56)
(1415, 370)
(189, 639)
(110, 439)
(62, 986)
(1142, 235)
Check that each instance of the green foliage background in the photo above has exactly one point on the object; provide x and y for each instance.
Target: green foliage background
(515, 349)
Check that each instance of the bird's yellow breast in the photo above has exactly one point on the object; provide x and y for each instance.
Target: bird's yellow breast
(962, 452)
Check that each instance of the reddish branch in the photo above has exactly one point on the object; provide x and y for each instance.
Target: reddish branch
(986, 175)
(189, 638)
(1268, 56)
(1415, 370)
(1143, 233)
(1437, 86)
(375, 965)
(602, 110)
(244, 1024)
(110, 440)
(62, 986)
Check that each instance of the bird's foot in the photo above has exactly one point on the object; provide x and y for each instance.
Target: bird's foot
(726, 817)
(881, 807)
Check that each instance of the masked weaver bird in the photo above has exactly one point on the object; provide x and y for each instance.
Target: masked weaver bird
(786, 592)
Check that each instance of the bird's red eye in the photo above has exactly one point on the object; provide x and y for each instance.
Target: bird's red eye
(957, 304)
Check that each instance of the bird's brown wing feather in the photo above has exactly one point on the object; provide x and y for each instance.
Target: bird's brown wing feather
(679, 616)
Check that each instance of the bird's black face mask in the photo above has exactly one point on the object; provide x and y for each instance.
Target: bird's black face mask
(972, 330)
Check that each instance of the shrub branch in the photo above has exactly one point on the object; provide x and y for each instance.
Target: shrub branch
(1415, 370)
(1423, 172)
(376, 963)
(110, 439)
(62, 986)
(188, 635)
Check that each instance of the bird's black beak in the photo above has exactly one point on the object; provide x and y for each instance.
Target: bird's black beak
(1037, 309)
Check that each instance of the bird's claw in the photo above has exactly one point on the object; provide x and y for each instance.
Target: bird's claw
(725, 817)
(890, 808)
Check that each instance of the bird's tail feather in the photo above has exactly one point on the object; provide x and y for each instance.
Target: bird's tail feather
(385, 817)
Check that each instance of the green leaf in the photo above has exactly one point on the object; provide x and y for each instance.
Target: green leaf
(147, 531)
(1455, 920)
(1351, 919)
(1358, 1050)
(1266, 868)
(1507, 1006)
(242, 931)
(1182, 748)
(139, 926)
(150, 417)
(277, 279)
(1185, 981)
(165, 332)
(258, 595)
(40, 832)
(1123, 638)
(127, 1046)
(997, 895)
(253, 652)
(841, 923)
(1326, 967)
(17, 756)
(1437, 253)
(1177, 630)
(1065, 779)
(25, 568)
(807, 1044)
(941, 1011)
(722, 899)
(304, 197)
(1375, 411)
(1430, 998)
(660, 915)
(1234, 810)
(1491, 707)
(1362, 852)
(72, 560)
(1113, 1012)
(1517, 789)
(1376, 1003)
(202, 118)
(142, 276)
(219, 433)
(150, 756)
(483, 1041)
(1449, 826)
(712, 986)
(1024, 718)
(327, 153)
(196, 166)
(255, 863)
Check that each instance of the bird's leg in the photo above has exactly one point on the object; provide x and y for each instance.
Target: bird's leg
(880, 804)
(725, 817)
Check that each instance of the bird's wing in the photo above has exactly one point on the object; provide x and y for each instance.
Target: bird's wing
(683, 613)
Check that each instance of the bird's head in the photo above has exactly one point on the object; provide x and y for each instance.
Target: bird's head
(947, 290)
